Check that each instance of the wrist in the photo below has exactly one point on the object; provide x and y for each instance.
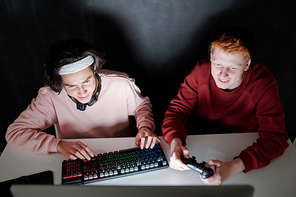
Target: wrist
(59, 146)
(237, 165)
(176, 142)
(145, 127)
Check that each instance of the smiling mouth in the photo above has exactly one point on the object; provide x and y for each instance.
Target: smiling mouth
(223, 81)
(83, 98)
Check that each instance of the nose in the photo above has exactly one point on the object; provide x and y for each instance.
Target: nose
(223, 72)
(81, 91)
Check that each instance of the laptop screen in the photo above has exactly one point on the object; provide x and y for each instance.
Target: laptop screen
(132, 191)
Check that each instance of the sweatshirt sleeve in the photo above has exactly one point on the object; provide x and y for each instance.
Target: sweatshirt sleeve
(144, 115)
(273, 138)
(139, 107)
(180, 107)
(27, 130)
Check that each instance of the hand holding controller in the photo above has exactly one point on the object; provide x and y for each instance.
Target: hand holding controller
(199, 167)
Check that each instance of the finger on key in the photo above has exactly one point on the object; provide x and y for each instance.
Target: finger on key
(73, 157)
(78, 155)
(81, 151)
(148, 142)
(143, 139)
(89, 152)
(153, 142)
(85, 151)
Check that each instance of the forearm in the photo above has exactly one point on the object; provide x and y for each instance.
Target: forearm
(144, 116)
(176, 117)
(273, 138)
(26, 132)
(260, 154)
(236, 166)
(32, 140)
(176, 142)
(172, 128)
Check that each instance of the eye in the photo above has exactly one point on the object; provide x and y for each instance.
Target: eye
(71, 86)
(232, 68)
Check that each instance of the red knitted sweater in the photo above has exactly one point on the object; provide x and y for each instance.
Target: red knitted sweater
(252, 107)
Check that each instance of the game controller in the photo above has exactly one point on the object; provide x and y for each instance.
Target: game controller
(199, 167)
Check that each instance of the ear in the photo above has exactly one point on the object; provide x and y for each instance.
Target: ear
(211, 57)
(248, 65)
(95, 66)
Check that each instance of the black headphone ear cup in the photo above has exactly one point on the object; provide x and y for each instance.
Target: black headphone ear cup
(93, 100)
(80, 106)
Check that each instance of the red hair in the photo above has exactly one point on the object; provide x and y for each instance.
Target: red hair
(231, 45)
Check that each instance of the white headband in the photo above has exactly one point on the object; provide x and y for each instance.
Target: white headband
(76, 66)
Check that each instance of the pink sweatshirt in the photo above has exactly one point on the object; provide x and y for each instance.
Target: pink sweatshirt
(108, 117)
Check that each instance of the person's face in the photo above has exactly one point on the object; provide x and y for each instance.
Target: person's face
(80, 85)
(228, 69)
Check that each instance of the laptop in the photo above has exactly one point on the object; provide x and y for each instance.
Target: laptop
(45, 178)
(131, 191)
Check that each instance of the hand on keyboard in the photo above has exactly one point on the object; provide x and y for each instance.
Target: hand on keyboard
(74, 150)
(146, 138)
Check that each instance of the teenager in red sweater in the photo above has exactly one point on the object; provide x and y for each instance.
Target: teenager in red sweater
(228, 93)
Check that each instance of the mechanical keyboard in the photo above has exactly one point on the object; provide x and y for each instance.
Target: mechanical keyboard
(113, 165)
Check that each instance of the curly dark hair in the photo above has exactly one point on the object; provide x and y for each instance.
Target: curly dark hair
(65, 52)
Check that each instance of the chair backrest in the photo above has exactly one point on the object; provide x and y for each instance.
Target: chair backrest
(57, 130)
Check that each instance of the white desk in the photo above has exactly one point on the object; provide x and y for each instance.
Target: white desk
(277, 179)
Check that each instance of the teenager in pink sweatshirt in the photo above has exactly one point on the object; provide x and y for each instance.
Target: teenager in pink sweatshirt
(84, 102)
(228, 94)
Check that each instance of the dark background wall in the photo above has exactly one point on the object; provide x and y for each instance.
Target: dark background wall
(155, 42)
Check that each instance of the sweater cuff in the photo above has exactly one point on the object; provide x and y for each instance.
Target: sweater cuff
(147, 123)
(169, 138)
(52, 147)
(247, 160)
